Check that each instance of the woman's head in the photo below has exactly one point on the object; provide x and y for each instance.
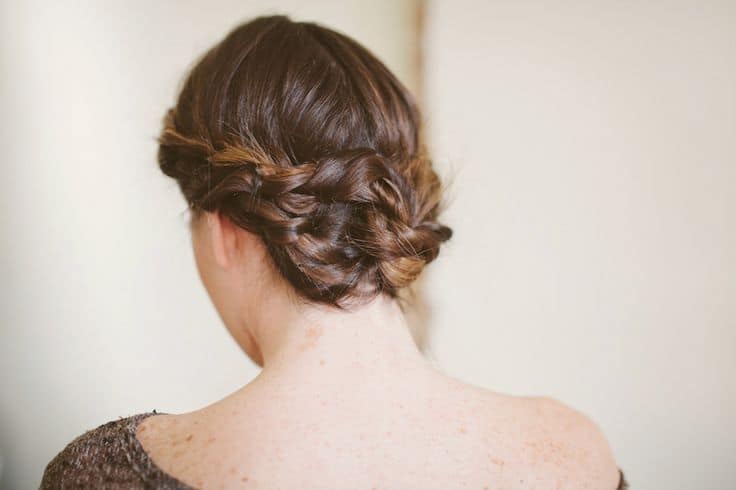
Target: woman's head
(307, 147)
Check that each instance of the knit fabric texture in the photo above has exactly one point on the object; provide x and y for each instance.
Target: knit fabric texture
(109, 457)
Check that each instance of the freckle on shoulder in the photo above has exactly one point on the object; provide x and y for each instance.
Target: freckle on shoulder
(594, 456)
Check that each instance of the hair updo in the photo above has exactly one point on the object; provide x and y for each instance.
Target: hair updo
(300, 135)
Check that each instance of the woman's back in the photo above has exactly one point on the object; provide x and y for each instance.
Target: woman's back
(422, 430)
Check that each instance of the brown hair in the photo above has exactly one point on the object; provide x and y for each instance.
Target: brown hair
(300, 135)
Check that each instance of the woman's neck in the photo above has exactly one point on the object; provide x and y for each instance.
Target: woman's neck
(373, 339)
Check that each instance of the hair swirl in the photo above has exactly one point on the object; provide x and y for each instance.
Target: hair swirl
(323, 163)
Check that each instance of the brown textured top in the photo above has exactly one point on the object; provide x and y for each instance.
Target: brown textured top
(111, 457)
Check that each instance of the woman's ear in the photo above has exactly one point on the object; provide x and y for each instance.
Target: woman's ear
(224, 237)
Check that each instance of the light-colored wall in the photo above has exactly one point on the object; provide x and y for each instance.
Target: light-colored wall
(594, 260)
(595, 156)
(103, 314)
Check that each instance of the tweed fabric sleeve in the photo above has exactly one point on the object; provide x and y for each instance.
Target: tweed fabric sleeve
(108, 457)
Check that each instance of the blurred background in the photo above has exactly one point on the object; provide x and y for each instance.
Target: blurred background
(592, 151)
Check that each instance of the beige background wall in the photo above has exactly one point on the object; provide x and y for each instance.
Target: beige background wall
(593, 150)
(595, 251)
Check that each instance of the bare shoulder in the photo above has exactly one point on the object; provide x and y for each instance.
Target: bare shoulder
(540, 441)
(100, 457)
(574, 443)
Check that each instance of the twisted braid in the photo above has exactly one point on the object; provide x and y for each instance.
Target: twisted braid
(351, 223)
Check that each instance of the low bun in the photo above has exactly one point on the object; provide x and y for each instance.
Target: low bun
(346, 221)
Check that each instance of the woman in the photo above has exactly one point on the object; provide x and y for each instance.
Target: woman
(313, 204)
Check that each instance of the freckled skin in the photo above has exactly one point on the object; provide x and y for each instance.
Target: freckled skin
(414, 435)
(497, 461)
(312, 335)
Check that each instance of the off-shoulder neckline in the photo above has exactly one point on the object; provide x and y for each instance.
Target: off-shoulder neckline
(146, 467)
